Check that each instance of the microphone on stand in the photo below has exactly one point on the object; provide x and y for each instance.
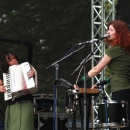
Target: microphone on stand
(94, 40)
(105, 36)
(88, 42)
(106, 81)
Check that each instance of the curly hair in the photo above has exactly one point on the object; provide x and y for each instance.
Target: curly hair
(3, 62)
(122, 35)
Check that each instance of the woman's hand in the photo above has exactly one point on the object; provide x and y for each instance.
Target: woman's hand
(94, 86)
(3, 89)
(76, 87)
(31, 73)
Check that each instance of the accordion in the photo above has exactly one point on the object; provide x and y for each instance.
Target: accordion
(17, 81)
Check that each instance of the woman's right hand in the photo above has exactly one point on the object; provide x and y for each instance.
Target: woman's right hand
(31, 72)
(3, 89)
(76, 87)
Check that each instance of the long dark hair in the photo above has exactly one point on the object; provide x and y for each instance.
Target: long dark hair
(123, 35)
(3, 62)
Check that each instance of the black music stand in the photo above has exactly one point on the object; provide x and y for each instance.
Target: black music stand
(56, 78)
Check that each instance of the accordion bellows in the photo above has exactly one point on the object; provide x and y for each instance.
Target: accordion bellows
(17, 81)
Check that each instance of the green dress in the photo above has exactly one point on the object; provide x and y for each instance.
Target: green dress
(20, 116)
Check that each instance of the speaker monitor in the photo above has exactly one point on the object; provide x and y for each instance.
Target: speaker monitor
(44, 121)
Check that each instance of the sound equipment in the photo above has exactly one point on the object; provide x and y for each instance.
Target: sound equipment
(112, 114)
(44, 121)
(17, 81)
(43, 103)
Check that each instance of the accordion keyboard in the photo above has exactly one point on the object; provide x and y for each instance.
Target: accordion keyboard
(7, 95)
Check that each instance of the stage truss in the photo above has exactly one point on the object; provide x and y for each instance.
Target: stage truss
(102, 11)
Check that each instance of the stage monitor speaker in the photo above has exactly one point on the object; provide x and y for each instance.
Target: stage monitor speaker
(44, 121)
(43, 103)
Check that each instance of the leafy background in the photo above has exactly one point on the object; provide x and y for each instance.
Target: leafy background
(43, 31)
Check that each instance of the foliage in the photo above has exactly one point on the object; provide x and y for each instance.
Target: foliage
(53, 27)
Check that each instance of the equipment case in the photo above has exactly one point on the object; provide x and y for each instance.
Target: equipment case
(44, 121)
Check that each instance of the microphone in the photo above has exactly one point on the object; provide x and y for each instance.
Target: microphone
(105, 36)
(94, 40)
(88, 42)
(106, 81)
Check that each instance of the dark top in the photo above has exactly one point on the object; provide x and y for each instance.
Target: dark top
(119, 68)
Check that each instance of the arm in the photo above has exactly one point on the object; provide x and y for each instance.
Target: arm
(100, 66)
(95, 70)
(33, 73)
(106, 81)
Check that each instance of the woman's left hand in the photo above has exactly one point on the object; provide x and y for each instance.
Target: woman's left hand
(94, 86)
(31, 72)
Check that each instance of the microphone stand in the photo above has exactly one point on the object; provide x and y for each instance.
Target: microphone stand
(104, 97)
(83, 63)
(55, 88)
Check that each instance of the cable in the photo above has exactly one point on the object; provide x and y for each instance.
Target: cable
(81, 70)
(69, 51)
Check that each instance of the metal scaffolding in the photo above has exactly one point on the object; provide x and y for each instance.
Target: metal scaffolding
(102, 11)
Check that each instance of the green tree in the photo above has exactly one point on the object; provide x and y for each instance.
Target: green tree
(53, 27)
